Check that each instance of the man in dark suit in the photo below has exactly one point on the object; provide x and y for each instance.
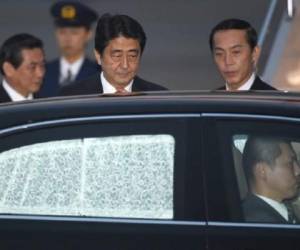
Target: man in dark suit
(73, 22)
(272, 171)
(233, 43)
(119, 44)
(22, 64)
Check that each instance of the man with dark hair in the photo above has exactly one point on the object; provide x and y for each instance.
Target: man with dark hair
(272, 171)
(233, 43)
(72, 22)
(119, 43)
(22, 64)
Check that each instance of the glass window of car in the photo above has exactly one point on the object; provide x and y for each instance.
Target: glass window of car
(123, 176)
(132, 168)
(235, 187)
(268, 174)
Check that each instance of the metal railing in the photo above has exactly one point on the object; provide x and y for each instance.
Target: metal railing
(269, 30)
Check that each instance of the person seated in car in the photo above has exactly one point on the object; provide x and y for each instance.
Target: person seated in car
(272, 171)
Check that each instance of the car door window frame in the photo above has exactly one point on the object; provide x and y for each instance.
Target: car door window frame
(186, 152)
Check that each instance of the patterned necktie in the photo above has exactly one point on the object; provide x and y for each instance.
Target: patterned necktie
(121, 91)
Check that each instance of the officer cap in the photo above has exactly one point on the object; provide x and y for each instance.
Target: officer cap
(72, 14)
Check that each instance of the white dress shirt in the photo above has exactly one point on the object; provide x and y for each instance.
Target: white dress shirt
(247, 85)
(109, 88)
(13, 94)
(279, 207)
(65, 67)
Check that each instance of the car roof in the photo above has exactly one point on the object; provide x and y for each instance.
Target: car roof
(256, 102)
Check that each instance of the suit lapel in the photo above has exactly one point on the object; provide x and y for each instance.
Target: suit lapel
(136, 86)
(4, 97)
(269, 208)
(257, 84)
(221, 88)
(53, 83)
(98, 80)
(260, 85)
(81, 70)
(94, 84)
(56, 72)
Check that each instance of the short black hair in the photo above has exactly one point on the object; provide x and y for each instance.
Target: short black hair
(11, 49)
(261, 149)
(237, 24)
(110, 27)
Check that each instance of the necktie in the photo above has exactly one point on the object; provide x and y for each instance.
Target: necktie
(291, 215)
(68, 78)
(121, 91)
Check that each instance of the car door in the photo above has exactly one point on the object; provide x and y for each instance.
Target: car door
(102, 182)
(228, 184)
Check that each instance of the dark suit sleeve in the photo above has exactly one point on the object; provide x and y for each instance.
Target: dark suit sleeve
(91, 85)
(4, 97)
(257, 210)
(140, 84)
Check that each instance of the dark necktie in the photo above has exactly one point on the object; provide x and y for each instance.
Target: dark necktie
(68, 78)
(291, 215)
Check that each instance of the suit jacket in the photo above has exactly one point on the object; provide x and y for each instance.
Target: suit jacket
(51, 85)
(4, 97)
(257, 210)
(258, 84)
(93, 85)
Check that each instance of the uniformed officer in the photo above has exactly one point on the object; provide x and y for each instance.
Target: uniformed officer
(73, 22)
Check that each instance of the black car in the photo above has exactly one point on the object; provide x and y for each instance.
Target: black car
(147, 171)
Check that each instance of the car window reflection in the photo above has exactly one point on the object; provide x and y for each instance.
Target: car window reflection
(117, 176)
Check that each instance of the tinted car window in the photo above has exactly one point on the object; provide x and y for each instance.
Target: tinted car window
(121, 176)
(234, 184)
(139, 167)
(227, 183)
(268, 177)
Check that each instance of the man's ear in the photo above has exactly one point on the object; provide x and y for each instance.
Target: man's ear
(8, 69)
(97, 56)
(261, 170)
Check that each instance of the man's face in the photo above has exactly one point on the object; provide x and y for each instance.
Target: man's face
(120, 60)
(28, 77)
(72, 41)
(233, 56)
(283, 177)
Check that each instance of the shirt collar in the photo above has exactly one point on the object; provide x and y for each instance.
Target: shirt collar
(279, 207)
(13, 94)
(247, 85)
(65, 66)
(108, 88)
